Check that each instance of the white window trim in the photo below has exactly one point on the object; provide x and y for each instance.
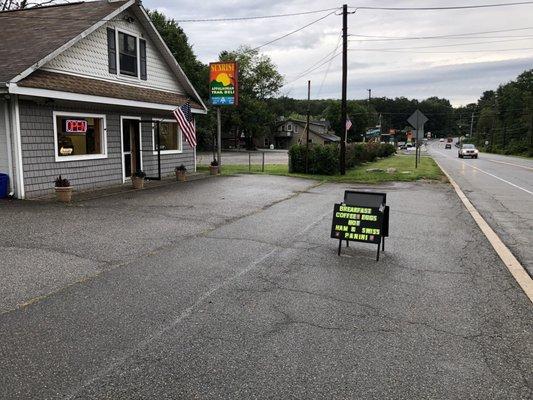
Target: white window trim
(137, 47)
(180, 138)
(122, 118)
(289, 127)
(85, 156)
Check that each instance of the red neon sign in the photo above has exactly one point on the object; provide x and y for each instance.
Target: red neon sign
(76, 126)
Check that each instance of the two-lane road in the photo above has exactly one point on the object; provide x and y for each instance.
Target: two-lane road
(501, 188)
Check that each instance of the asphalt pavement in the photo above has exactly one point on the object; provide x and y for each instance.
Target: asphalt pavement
(501, 188)
(232, 288)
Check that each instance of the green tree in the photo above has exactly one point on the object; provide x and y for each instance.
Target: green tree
(259, 80)
(178, 43)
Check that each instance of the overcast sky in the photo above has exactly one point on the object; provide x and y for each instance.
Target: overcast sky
(457, 72)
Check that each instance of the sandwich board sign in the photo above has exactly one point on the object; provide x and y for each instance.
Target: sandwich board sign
(361, 217)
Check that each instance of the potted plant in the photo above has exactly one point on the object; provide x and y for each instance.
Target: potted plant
(63, 189)
(181, 173)
(213, 168)
(137, 179)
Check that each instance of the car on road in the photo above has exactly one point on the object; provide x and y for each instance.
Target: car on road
(448, 146)
(468, 150)
(441, 140)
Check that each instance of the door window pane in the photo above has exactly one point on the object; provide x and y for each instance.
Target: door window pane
(79, 136)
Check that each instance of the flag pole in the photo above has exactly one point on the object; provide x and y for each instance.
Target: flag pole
(219, 140)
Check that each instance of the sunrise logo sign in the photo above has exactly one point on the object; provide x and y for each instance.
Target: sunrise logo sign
(223, 83)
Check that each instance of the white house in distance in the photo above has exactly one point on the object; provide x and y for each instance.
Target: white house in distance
(84, 88)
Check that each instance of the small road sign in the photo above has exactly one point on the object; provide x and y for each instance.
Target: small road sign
(417, 120)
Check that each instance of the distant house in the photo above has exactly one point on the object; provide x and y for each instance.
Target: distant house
(293, 131)
(83, 87)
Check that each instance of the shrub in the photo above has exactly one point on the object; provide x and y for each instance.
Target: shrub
(297, 158)
(139, 174)
(181, 168)
(323, 160)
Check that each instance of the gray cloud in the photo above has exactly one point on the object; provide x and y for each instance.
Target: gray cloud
(461, 77)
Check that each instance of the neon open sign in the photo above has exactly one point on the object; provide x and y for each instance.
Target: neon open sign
(76, 126)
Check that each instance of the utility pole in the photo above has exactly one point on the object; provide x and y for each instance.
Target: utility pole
(369, 98)
(471, 125)
(307, 127)
(344, 86)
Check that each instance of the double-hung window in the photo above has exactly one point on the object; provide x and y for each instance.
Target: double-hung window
(127, 49)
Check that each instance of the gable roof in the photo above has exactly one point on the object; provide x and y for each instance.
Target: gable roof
(28, 36)
(48, 31)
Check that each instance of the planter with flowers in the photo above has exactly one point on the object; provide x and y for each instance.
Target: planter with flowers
(214, 168)
(181, 173)
(63, 189)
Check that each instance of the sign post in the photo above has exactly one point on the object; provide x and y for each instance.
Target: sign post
(417, 121)
(223, 91)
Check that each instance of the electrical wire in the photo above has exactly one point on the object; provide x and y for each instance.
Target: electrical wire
(443, 52)
(446, 36)
(469, 6)
(327, 70)
(294, 31)
(453, 44)
(313, 69)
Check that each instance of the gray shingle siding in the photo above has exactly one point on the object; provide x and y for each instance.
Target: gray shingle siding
(41, 169)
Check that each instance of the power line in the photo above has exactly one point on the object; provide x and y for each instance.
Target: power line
(470, 6)
(446, 36)
(308, 71)
(453, 44)
(294, 31)
(256, 16)
(328, 55)
(327, 70)
(444, 52)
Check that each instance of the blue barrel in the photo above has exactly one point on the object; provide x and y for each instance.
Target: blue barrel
(4, 185)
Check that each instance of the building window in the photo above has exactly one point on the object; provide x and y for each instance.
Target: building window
(127, 49)
(289, 127)
(79, 136)
(295, 128)
(169, 136)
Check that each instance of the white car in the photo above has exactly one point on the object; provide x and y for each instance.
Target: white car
(468, 150)
(441, 140)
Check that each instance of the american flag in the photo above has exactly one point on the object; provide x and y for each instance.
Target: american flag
(348, 124)
(186, 122)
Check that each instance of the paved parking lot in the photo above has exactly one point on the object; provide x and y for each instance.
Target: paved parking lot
(231, 288)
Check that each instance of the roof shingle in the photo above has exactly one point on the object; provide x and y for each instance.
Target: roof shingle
(75, 84)
(43, 30)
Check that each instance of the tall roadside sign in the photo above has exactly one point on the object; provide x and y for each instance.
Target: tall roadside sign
(223, 91)
(417, 121)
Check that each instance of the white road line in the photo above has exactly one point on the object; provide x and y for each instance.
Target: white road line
(508, 163)
(513, 265)
(488, 173)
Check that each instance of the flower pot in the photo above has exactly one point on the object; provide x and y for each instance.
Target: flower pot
(213, 169)
(64, 194)
(138, 183)
(181, 176)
